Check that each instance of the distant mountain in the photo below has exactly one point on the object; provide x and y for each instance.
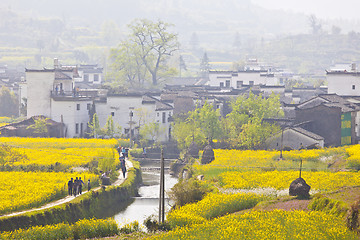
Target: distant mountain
(32, 32)
(217, 20)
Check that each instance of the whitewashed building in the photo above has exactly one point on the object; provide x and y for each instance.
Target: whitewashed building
(52, 93)
(344, 82)
(143, 109)
(90, 74)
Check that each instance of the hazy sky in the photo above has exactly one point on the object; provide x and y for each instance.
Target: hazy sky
(347, 9)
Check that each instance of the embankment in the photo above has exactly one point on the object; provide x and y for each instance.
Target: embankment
(99, 204)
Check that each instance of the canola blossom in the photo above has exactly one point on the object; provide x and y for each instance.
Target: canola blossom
(70, 156)
(260, 225)
(282, 179)
(59, 142)
(84, 229)
(31, 189)
(213, 205)
(254, 159)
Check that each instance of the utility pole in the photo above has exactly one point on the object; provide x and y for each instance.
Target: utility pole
(162, 189)
(281, 145)
(131, 114)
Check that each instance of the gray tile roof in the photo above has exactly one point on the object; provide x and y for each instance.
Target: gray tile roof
(307, 133)
(330, 100)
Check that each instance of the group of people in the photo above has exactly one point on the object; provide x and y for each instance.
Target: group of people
(75, 186)
(123, 152)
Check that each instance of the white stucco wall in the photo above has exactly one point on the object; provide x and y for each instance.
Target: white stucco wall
(71, 116)
(91, 77)
(120, 106)
(142, 113)
(342, 84)
(39, 86)
(246, 77)
(292, 139)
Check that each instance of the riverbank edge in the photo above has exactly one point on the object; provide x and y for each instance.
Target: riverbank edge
(94, 204)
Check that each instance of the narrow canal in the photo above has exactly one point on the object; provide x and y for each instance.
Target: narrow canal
(147, 203)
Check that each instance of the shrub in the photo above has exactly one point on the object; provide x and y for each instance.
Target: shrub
(352, 217)
(130, 227)
(322, 203)
(354, 164)
(152, 225)
(188, 191)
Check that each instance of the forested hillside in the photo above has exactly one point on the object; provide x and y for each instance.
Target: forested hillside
(33, 32)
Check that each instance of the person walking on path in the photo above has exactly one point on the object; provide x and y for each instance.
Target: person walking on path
(70, 186)
(123, 167)
(75, 186)
(81, 183)
(119, 150)
(88, 185)
(144, 152)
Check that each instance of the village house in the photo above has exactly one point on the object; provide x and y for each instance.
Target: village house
(344, 81)
(332, 117)
(294, 138)
(89, 76)
(53, 94)
(131, 111)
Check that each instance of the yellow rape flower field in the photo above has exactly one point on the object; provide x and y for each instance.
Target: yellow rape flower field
(211, 206)
(250, 170)
(70, 156)
(276, 224)
(31, 189)
(282, 179)
(59, 142)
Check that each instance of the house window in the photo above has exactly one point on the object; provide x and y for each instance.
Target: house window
(96, 77)
(88, 106)
(227, 83)
(221, 84)
(251, 83)
(112, 114)
(78, 106)
(86, 77)
(281, 81)
(76, 128)
(81, 128)
(157, 114)
(163, 117)
(353, 87)
(239, 84)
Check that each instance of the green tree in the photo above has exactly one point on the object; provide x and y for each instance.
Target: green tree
(94, 126)
(127, 68)
(151, 131)
(8, 103)
(245, 121)
(40, 127)
(109, 128)
(254, 133)
(205, 66)
(208, 121)
(201, 126)
(149, 46)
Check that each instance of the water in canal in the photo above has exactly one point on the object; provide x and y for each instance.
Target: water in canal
(148, 202)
